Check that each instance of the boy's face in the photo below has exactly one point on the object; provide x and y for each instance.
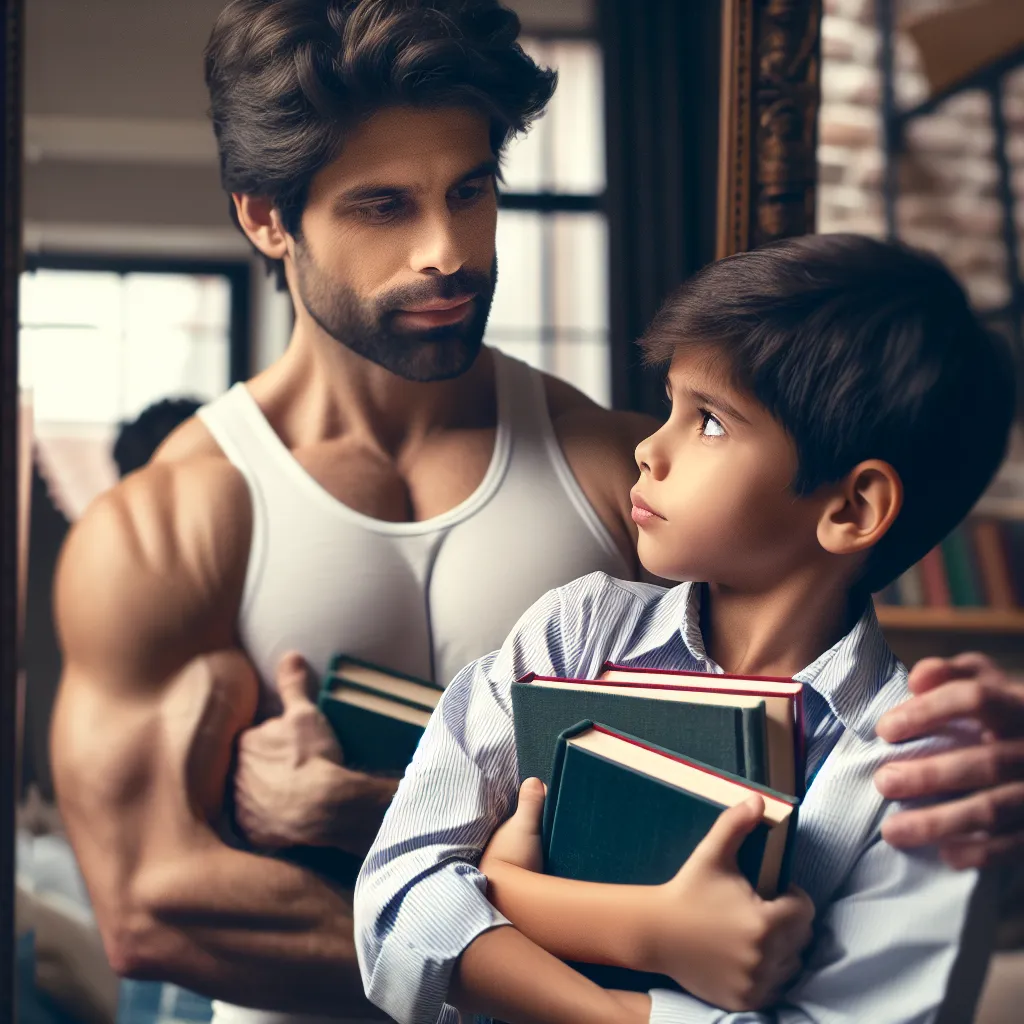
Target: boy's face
(717, 476)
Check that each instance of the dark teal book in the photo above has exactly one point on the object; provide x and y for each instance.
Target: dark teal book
(961, 569)
(378, 715)
(621, 810)
(730, 734)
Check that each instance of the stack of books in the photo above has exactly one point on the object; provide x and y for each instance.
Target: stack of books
(639, 764)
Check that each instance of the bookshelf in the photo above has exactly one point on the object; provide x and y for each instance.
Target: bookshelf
(961, 620)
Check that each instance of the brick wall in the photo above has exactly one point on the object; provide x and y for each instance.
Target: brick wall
(948, 193)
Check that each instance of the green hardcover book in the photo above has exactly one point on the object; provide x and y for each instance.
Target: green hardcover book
(963, 584)
(378, 715)
(623, 811)
(726, 730)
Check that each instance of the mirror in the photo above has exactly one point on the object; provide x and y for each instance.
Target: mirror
(679, 132)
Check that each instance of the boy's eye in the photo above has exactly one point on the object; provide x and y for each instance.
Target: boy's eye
(710, 426)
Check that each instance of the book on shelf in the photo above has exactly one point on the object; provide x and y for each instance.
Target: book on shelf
(377, 714)
(749, 726)
(622, 810)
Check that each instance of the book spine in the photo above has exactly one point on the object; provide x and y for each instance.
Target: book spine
(958, 565)
(934, 579)
(1013, 544)
(911, 587)
(551, 798)
(754, 744)
(786, 869)
(991, 556)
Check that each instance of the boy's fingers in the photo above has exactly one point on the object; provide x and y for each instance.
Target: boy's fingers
(725, 837)
(530, 809)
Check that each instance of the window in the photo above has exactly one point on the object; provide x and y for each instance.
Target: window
(551, 302)
(101, 340)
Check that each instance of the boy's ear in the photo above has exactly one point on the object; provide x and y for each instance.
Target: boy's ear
(862, 509)
(261, 223)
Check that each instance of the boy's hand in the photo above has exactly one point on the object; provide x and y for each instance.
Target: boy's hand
(518, 840)
(712, 933)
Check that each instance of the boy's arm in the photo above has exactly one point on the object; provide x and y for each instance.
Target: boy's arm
(420, 901)
(904, 931)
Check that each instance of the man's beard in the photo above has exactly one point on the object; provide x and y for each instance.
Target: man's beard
(369, 328)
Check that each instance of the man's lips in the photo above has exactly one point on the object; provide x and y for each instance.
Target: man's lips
(437, 312)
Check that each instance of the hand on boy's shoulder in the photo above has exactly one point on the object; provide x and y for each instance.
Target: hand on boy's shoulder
(982, 823)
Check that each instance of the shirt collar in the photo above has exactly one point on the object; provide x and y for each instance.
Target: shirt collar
(847, 676)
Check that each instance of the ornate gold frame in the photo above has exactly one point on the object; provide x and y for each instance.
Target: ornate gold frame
(769, 100)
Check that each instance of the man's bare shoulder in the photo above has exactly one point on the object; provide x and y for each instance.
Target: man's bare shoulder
(191, 439)
(156, 565)
(579, 420)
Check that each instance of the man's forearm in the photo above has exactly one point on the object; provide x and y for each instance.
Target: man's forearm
(246, 929)
(583, 921)
(502, 974)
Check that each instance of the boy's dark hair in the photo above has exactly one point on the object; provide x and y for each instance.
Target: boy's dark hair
(138, 439)
(860, 349)
(288, 77)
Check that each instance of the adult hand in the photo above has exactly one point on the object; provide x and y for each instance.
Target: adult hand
(755, 946)
(982, 822)
(288, 768)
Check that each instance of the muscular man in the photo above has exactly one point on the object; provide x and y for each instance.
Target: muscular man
(390, 488)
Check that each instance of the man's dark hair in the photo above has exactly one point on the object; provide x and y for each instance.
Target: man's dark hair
(860, 349)
(288, 77)
(138, 439)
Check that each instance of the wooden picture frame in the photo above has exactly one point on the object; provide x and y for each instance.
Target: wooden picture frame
(768, 105)
(11, 77)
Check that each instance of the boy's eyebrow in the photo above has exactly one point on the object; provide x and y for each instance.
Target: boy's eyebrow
(719, 403)
(380, 190)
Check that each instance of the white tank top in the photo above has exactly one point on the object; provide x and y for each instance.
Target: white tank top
(425, 598)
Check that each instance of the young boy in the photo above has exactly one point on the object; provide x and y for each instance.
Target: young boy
(836, 410)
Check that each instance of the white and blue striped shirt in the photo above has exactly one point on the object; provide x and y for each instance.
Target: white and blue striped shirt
(889, 924)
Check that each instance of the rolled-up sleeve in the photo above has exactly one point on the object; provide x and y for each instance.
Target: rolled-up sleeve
(419, 899)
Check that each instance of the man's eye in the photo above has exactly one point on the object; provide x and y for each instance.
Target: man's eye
(469, 191)
(386, 209)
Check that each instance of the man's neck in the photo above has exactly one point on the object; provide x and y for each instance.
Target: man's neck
(319, 389)
(778, 633)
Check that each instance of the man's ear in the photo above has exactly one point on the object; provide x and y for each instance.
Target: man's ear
(863, 507)
(262, 225)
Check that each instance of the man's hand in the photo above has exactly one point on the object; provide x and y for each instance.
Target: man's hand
(518, 840)
(712, 933)
(985, 825)
(285, 768)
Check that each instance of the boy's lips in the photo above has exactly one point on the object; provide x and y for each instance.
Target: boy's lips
(642, 512)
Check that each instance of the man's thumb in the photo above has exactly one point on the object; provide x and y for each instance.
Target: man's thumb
(723, 841)
(530, 809)
(293, 680)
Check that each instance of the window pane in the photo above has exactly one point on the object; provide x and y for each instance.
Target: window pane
(98, 347)
(176, 333)
(564, 151)
(516, 311)
(550, 306)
